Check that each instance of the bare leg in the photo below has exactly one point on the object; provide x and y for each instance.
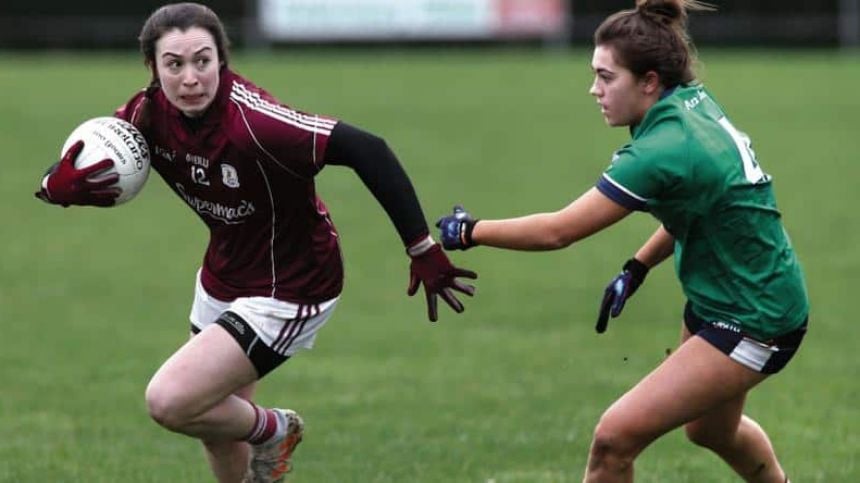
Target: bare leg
(194, 393)
(744, 446)
(229, 459)
(694, 380)
(736, 438)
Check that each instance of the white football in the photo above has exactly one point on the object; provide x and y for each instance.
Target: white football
(113, 138)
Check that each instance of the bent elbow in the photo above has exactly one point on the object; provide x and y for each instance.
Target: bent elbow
(557, 239)
(560, 233)
(564, 228)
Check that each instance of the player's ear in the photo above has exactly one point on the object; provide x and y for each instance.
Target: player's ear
(650, 82)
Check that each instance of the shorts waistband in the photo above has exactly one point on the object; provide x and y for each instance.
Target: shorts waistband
(791, 338)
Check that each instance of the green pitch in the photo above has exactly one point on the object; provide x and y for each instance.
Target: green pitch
(92, 301)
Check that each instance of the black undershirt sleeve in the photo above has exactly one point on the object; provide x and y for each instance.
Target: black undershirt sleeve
(381, 172)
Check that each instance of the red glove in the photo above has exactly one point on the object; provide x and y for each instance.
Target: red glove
(431, 267)
(67, 185)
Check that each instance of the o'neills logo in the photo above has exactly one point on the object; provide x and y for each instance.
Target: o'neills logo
(227, 214)
(133, 140)
(234, 321)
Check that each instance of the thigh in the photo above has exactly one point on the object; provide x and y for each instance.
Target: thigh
(204, 371)
(693, 381)
(722, 418)
(246, 392)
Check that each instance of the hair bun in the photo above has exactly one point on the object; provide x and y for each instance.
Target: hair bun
(664, 11)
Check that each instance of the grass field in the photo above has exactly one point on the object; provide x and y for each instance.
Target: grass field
(92, 301)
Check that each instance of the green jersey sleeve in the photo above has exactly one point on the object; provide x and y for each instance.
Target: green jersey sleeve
(650, 166)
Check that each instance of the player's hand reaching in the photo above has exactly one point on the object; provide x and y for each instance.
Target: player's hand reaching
(66, 185)
(622, 287)
(431, 267)
(456, 229)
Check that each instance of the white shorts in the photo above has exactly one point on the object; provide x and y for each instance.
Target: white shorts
(282, 327)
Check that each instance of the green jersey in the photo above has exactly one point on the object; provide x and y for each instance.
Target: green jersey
(689, 167)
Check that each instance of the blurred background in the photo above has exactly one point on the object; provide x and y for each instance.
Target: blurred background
(486, 104)
(262, 23)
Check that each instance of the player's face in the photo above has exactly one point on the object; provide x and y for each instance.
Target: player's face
(188, 66)
(621, 96)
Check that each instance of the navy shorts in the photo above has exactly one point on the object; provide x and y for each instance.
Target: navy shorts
(766, 357)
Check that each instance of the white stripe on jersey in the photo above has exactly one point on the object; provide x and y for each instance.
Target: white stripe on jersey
(255, 97)
(257, 142)
(274, 229)
(302, 121)
(627, 191)
(314, 152)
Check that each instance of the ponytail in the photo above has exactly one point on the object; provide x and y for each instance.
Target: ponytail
(140, 117)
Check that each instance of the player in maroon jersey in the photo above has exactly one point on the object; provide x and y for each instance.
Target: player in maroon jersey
(272, 274)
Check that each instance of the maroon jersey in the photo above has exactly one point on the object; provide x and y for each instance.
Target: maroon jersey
(246, 168)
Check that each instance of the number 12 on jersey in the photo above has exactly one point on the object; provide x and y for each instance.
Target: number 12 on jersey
(198, 175)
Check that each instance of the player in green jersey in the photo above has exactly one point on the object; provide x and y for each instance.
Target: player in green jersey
(697, 174)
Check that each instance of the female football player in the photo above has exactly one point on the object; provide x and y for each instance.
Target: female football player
(696, 173)
(272, 274)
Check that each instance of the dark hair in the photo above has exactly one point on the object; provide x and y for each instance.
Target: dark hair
(653, 37)
(182, 16)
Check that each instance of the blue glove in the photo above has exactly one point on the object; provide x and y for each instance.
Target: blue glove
(622, 287)
(456, 229)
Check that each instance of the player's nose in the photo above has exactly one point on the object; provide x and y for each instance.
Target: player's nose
(189, 77)
(593, 90)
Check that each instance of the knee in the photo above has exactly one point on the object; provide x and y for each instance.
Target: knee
(165, 406)
(613, 446)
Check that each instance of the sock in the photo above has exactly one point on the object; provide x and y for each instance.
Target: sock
(265, 425)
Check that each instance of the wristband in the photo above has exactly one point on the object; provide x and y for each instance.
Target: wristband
(466, 233)
(636, 268)
(421, 246)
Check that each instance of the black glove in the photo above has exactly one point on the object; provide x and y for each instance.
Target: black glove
(622, 287)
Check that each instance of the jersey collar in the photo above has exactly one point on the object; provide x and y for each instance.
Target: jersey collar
(666, 93)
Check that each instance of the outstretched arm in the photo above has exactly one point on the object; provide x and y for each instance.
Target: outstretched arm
(381, 172)
(587, 215)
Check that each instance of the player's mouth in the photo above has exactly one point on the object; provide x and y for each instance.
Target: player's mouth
(193, 98)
